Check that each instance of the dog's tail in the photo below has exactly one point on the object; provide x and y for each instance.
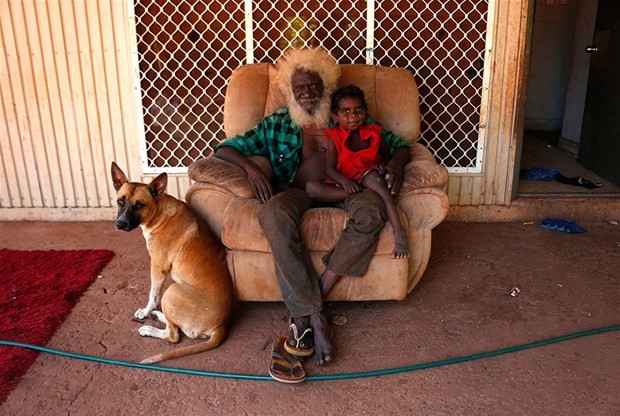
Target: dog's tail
(217, 337)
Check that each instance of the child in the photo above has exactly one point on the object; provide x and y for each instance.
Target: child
(356, 156)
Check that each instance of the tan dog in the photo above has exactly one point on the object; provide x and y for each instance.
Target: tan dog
(200, 299)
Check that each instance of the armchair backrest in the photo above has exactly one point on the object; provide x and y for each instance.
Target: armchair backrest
(391, 94)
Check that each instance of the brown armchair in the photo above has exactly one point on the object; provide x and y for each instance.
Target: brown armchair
(222, 196)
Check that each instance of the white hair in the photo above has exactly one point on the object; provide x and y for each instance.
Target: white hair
(318, 61)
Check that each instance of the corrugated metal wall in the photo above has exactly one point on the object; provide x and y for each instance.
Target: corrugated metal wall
(69, 107)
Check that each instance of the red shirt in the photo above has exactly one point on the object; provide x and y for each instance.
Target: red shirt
(353, 164)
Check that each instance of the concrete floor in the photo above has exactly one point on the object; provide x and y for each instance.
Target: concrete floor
(541, 150)
(569, 283)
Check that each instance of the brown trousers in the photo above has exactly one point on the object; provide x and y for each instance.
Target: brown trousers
(280, 218)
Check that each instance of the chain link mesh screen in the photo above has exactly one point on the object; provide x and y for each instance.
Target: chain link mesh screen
(187, 50)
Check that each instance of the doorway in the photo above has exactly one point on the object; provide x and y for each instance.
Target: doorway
(557, 87)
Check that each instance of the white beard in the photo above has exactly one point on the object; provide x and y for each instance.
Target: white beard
(319, 118)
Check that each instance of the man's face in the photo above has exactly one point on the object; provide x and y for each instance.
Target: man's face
(307, 89)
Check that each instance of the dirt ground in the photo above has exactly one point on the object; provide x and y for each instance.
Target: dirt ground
(569, 283)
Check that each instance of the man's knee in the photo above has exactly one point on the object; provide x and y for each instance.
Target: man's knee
(266, 216)
(281, 211)
(272, 214)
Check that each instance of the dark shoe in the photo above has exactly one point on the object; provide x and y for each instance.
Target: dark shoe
(578, 181)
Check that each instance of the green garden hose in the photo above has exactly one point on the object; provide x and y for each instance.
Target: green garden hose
(374, 373)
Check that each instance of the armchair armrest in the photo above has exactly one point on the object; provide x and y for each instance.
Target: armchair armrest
(422, 171)
(226, 175)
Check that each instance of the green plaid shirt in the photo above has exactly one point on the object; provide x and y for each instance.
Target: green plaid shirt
(279, 139)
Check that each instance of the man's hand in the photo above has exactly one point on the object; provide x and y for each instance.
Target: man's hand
(260, 183)
(395, 171)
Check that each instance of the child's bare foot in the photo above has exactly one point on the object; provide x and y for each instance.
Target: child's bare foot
(401, 247)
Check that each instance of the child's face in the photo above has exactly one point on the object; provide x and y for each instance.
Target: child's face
(351, 114)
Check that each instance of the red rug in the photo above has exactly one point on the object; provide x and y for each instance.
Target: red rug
(37, 291)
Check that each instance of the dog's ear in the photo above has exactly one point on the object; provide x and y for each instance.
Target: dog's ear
(118, 177)
(158, 185)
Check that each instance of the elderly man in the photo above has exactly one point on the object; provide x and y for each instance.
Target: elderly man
(293, 139)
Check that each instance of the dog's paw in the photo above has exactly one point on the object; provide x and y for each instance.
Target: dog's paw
(141, 313)
(151, 331)
(146, 331)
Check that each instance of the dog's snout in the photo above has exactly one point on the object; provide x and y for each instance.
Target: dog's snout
(125, 221)
(122, 224)
(126, 218)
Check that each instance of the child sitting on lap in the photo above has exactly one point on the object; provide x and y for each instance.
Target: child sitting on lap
(356, 156)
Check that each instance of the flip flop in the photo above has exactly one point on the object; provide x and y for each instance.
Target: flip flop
(297, 349)
(562, 225)
(285, 367)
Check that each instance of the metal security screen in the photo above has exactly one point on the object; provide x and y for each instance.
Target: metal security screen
(187, 50)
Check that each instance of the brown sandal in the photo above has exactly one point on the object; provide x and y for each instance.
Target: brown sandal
(305, 336)
(285, 367)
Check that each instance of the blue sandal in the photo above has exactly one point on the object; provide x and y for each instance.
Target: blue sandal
(562, 225)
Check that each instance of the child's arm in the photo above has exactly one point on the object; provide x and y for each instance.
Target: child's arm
(332, 160)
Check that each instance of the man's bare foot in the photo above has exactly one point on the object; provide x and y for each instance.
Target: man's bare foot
(322, 341)
(328, 280)
(401, 247)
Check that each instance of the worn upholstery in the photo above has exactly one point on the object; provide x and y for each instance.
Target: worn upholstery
(221, 194)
